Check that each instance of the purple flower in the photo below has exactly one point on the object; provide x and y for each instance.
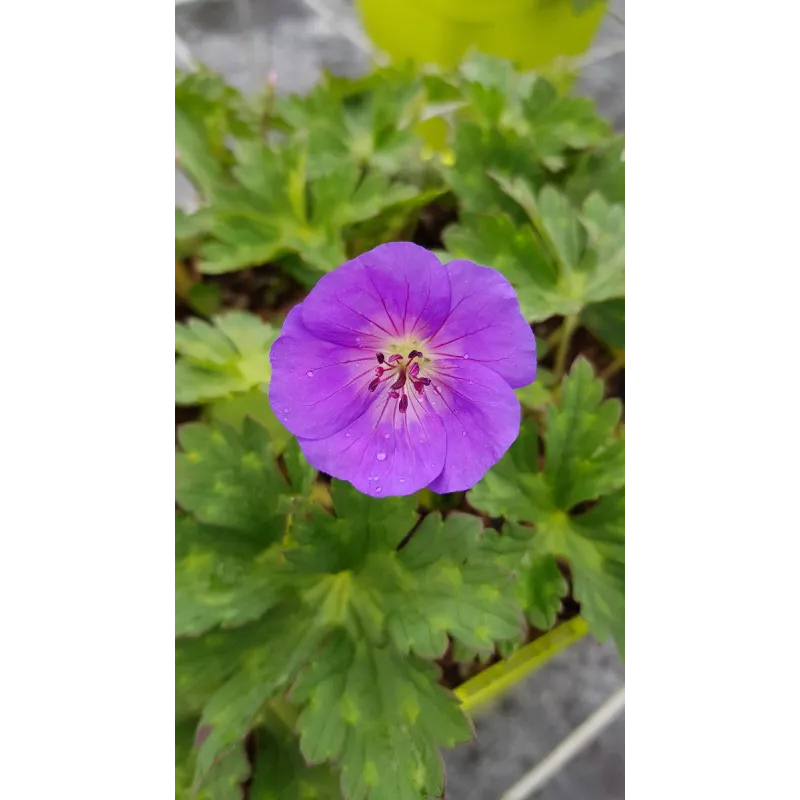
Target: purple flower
(397, 372)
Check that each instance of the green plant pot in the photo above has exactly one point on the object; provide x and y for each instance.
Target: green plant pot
(531, 33)
(487, 687)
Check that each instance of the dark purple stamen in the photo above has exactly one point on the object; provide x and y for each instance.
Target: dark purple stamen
(404, 373)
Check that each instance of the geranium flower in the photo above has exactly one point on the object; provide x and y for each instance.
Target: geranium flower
(397, 372)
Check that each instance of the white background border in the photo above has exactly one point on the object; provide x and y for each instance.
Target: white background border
(87, 585)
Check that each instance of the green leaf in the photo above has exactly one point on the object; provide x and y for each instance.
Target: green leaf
(204, 298)
(221, 578)
(604, 260)
(453, 587)
(278, 210)
(599, 170)
(373, 523)
(511, 486)
(539, 585)
(280, 773)
(207, 112)
(204, 663)
(231, 479)
(190, 230)
(583, 458)
(555, 124)
(225, 778)
(221, 359)
(444, 581)
(543, 586)
(583, 461)
(597, 555)
(363, 123)
(560, 262)
(381, 716)
(606, 320)
(301, 474)
(235, 409)
(288, 638)
(539, 393)
(479, 151)
(513, 250)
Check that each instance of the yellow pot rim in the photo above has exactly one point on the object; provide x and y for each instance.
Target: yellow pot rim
(491, 684)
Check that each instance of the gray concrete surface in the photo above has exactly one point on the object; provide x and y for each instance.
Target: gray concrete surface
(285, 36)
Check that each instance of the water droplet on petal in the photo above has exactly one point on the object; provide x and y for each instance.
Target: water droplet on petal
(285, 410)
(402, 480)
(347, 435)
(286, 419)
(466, 355)
(385, 435)
(463, 433)
(381, 456)
(358, 338)
(310, 374)
(378, 490)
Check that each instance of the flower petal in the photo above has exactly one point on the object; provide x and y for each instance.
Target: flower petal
(317, 387)
(396, 291)
(384, 452)
(481, 415)
(485, 324)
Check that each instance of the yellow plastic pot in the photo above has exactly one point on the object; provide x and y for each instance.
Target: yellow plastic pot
(487, 687)
(531, 33)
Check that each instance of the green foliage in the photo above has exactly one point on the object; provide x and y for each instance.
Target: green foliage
(268, 584)
(583, 462)
(368, 124)
(221, 359)
(563, 260)
(230, 478)
(309, 616)
(380, 715)
(280, 772)
(606, 320)
(225, 778)
(296, 197)
(517, 126)
(539, 393)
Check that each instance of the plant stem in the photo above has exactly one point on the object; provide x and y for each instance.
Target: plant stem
(568, 328)
(613, 368)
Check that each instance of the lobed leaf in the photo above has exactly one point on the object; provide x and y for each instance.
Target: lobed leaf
(230, 478)
(453, 586)
(280, 773)
(381, 717)
(224, 780)
(287, 639)
(220, 359)
(583, 461)
(560, 262)
(221, 577)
